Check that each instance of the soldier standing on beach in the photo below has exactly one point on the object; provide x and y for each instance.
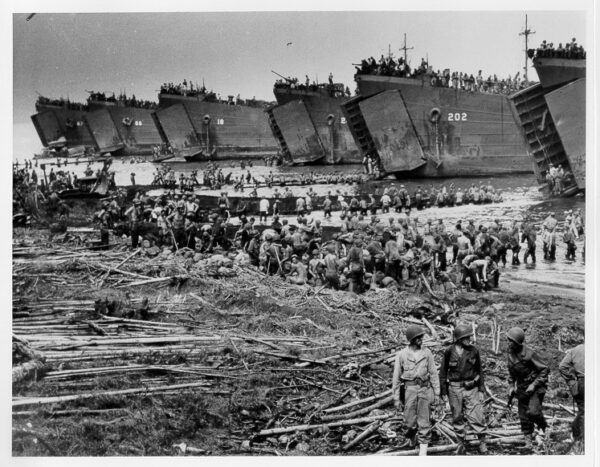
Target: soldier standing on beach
(572, 369)
(416, 385)
(461, 383)
(528, 377)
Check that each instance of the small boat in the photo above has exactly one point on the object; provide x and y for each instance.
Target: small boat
(163, 158)
(89, 187)
(195, 155)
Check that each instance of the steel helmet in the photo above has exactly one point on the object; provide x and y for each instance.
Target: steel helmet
(461, 331)
(414, 331)
(516, 335)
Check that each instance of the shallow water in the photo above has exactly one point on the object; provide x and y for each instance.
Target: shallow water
(522, 200)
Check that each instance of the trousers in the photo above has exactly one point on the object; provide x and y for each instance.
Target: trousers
(417, 412)
(530, 410)
(467, 409)
(578, 425)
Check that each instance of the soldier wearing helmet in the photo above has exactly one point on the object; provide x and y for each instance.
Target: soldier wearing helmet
(461, 383)
(104, 218)
(135, 213)
(528, 377)
(416, 374)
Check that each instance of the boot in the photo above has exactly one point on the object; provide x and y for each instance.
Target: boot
(483, 449)
(422, 449)
(529, 437)
(409, 442)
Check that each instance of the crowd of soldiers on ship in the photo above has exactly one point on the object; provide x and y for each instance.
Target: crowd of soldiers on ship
(122, 99)
(333, 89)
(187, 88)
(571, 50)
(419, 389)
(387, 66)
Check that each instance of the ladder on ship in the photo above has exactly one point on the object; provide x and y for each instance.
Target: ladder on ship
(358, 126)
(545, 146)
(278, 135)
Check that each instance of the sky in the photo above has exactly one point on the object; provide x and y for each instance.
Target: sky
(65, 54)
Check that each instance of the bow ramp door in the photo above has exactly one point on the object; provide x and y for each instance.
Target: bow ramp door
(299, 132)
(177, 127)
(104, 131)
(392, 131)
(567, 106)
(47, 127)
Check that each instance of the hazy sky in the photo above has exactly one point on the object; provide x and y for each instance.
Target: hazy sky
(66, 54)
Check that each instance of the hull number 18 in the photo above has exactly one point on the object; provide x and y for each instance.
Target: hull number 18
(457, 117)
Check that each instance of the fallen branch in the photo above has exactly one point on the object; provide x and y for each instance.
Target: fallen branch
(354, 421)
(365, 434)
(381, 403)
(21, 401)
(359, 402)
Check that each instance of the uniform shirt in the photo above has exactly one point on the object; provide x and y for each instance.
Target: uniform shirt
(572, 365)
(463, 366)
(331, 265)
(392, 251)
(177, 220)
(526, 367)
(264, 205)
(411, 364)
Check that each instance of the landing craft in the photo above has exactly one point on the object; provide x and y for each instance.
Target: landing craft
(425, 123)
(193, 119)
(309, 125)
(115, 124)
(193, 122)
(551, 116)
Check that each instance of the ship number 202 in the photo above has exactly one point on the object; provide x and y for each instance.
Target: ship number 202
(457, 117)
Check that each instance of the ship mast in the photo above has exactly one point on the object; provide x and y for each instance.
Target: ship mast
(404, 48)
(527, 32)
